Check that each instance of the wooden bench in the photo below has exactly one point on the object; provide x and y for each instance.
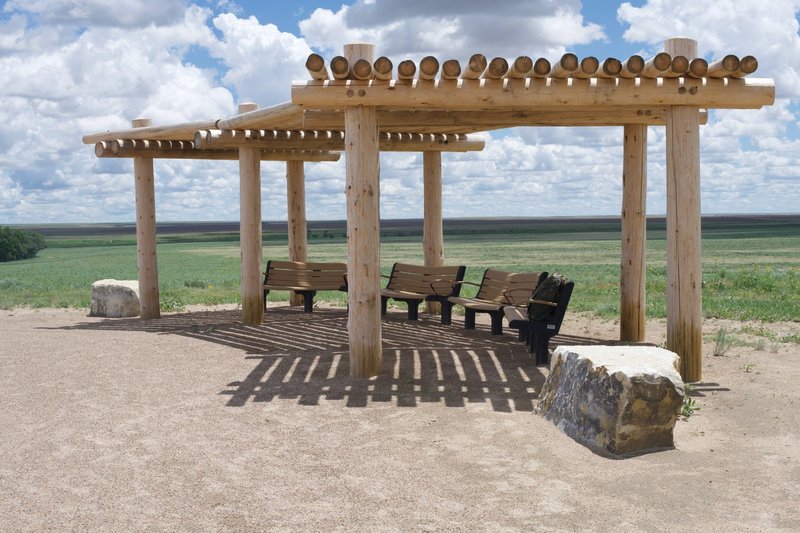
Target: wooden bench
(540, 320)
(305, 279)
(414, 284)
(497, 290)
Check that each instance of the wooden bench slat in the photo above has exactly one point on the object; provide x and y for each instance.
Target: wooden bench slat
(415, 283)
(305, 278)
(439, 271)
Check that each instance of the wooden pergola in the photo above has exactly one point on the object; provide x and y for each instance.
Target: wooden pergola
(361, 108)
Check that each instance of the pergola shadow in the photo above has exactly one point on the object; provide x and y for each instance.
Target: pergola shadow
(305, 358)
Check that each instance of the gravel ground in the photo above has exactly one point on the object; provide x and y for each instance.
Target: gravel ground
(196, 423)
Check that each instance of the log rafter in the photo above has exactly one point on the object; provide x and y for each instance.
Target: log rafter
(569, 65)
(332, 140)
(126, 148)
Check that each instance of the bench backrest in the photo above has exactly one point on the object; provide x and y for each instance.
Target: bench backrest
(315, 276)
(426, 280)
(560, 294)
(508, 287)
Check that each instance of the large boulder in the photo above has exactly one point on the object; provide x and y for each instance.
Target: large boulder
(115, 298)
(618, 400)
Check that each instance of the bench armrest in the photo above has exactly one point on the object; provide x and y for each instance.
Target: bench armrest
(543, 302)
(452, 285)
(507, 291)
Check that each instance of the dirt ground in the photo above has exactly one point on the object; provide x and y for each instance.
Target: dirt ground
(196, 423)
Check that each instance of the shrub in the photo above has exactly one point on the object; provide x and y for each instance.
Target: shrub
(18, 244)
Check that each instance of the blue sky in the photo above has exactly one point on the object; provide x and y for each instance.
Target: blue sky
(70, 67)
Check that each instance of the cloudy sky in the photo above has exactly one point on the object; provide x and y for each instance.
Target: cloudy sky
(70, 67)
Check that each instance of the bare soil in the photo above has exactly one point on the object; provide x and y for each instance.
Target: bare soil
(194, 422)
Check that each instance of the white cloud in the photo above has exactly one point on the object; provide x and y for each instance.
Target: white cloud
(416, 28)
(69, 68)
(767, 30)
(101, 12)
(262, 61)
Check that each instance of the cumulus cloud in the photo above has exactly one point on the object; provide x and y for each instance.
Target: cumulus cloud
(262, 61)
(69, 68)
(417, 28)
(101, 12)
(768, 31)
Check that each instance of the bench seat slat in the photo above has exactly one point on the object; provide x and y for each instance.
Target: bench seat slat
(304, 278)
(415, 283)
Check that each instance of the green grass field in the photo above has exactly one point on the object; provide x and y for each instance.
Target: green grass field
(751, 270)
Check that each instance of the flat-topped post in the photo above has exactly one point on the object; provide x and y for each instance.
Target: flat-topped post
(432, 233)
(296, 217)
(633, 305)
(250, 230)
(363, 229)
(684, 269)
(146, 260)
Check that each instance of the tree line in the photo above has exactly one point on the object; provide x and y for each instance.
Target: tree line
(18, 244)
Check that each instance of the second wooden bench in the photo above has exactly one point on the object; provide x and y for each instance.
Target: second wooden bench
(305, 279)
(414, 284)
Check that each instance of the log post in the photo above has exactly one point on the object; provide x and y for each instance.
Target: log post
(250, 231)
(146, 260)
(363, 231)
(684, 269)
(296, 217)
(432, 233)
(633, 304)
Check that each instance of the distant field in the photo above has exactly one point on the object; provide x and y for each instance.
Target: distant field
(751, 265)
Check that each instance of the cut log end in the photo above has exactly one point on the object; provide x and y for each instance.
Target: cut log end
(451, 69)
(362, 70)
(340, 67)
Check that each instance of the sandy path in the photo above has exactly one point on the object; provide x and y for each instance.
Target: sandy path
(195, 423)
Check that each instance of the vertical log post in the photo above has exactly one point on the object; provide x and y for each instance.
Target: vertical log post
(633, 306)
(684, 268)
(363, 231)
(250, 231)
(296, 211)
(432, 233)
(146, 260)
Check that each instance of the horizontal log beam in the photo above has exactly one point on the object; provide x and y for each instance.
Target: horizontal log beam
(433, 121)
(177, 132)
(125, 148)
(333, 140)
(533, 93)
(275, 116)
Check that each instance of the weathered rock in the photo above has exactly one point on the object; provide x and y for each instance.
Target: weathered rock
(115, 298)
(621, 400)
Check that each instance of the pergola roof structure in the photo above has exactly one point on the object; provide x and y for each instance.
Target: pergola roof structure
(361, 107)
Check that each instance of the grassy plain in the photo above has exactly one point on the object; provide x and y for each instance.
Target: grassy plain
(751, 267)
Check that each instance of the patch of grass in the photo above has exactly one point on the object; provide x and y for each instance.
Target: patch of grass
(751, 272)
(689, 406)
(748, 367)
(792, 339)
(722, 342)
(758, 331)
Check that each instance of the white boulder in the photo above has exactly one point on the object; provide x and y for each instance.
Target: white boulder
(115, 298)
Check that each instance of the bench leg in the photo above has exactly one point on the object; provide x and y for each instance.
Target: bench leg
(308, 301)
(469, 318)
(522, 334)
(497, 322)
(266, 293)
(413, 309)
(384, 302)
(539, 342)
(447, 313)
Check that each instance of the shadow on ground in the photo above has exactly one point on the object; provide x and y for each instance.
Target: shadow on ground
(305, 357)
